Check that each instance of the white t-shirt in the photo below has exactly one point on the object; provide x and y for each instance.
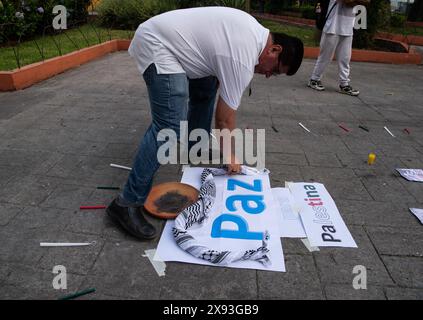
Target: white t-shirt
(208, 41)
(341, 20)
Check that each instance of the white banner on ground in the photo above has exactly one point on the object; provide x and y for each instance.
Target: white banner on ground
(321, 219)
(291, 225)
(244, 209)
(412, 174)
(418, 213)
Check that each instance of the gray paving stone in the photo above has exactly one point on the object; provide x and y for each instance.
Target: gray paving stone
(8, 212)
(125, 151)
(322, 160)
(323, 144)
(359, 146)
(336, 265)
(129, 251)
(309, 112)
(6, 174)
(283, 145)
(301, 281)
(281, 173)
(341, 183)
(399, 149)
(68, 197)
(412, 163)
(194, 282)
(384, 188)
(41, 218)
(123, 285)
(374, 213)
(397, 241)
(92, 222)
(5, 270)
(135, 278)
(406, 271)
(15, 184)
(339, 113)
(285, 158)
(32, 193)
(23, 245)
(86, 170)
(31, 283)
(404, 294)
(366, 113)
(413, 188)
(347, 292)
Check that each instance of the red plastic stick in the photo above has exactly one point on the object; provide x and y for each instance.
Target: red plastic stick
(91, 207)
(406, 130)
(342, 127)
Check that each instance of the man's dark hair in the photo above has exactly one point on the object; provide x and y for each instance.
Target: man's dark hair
(292, 51)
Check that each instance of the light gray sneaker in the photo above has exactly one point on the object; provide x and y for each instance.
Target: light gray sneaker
(316, 85)
(349, 90)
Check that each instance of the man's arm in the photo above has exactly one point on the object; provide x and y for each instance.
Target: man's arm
(226, 119)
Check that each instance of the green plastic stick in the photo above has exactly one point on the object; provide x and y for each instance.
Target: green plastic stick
(77, 294)
(108, 188)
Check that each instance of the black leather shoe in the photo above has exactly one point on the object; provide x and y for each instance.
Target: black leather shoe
(132, 220)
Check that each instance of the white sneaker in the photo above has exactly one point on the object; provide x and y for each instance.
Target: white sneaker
(316, 85)
(349, 90)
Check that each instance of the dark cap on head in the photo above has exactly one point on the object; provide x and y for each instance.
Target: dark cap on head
(292, 51)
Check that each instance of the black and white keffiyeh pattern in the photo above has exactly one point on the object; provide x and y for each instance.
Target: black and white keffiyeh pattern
(197, 213)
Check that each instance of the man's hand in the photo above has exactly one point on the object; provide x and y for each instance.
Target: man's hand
(225, 119)
(234, 167)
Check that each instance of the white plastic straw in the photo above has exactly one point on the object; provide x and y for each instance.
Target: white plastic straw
(302, 126)
(120, 167)
(389, 131)
(65, 244)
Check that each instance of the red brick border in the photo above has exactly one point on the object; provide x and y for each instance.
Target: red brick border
(409, 39)
(36, 72)
(288, 19)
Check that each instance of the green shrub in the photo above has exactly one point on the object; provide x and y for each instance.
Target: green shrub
(128, 14)
(416, 11)
(397, 20)
(22, 19)
(239, 4)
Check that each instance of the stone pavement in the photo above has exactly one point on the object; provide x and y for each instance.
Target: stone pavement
(58, 138)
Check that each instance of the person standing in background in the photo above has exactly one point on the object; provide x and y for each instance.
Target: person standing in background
(337, 37)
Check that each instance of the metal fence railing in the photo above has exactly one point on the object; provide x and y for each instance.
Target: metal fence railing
(51, 43)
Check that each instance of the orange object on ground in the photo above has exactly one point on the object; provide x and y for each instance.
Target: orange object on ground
(167, 200)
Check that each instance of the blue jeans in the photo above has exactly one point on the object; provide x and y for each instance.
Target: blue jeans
(173, 98)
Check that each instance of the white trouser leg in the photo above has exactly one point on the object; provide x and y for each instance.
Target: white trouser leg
(343, 56)
(328, 44)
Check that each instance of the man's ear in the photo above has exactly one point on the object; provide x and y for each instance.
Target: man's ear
(276, 49)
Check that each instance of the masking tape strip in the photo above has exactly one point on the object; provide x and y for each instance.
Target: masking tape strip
(158, 265)
(185, 166)
(308, 246)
